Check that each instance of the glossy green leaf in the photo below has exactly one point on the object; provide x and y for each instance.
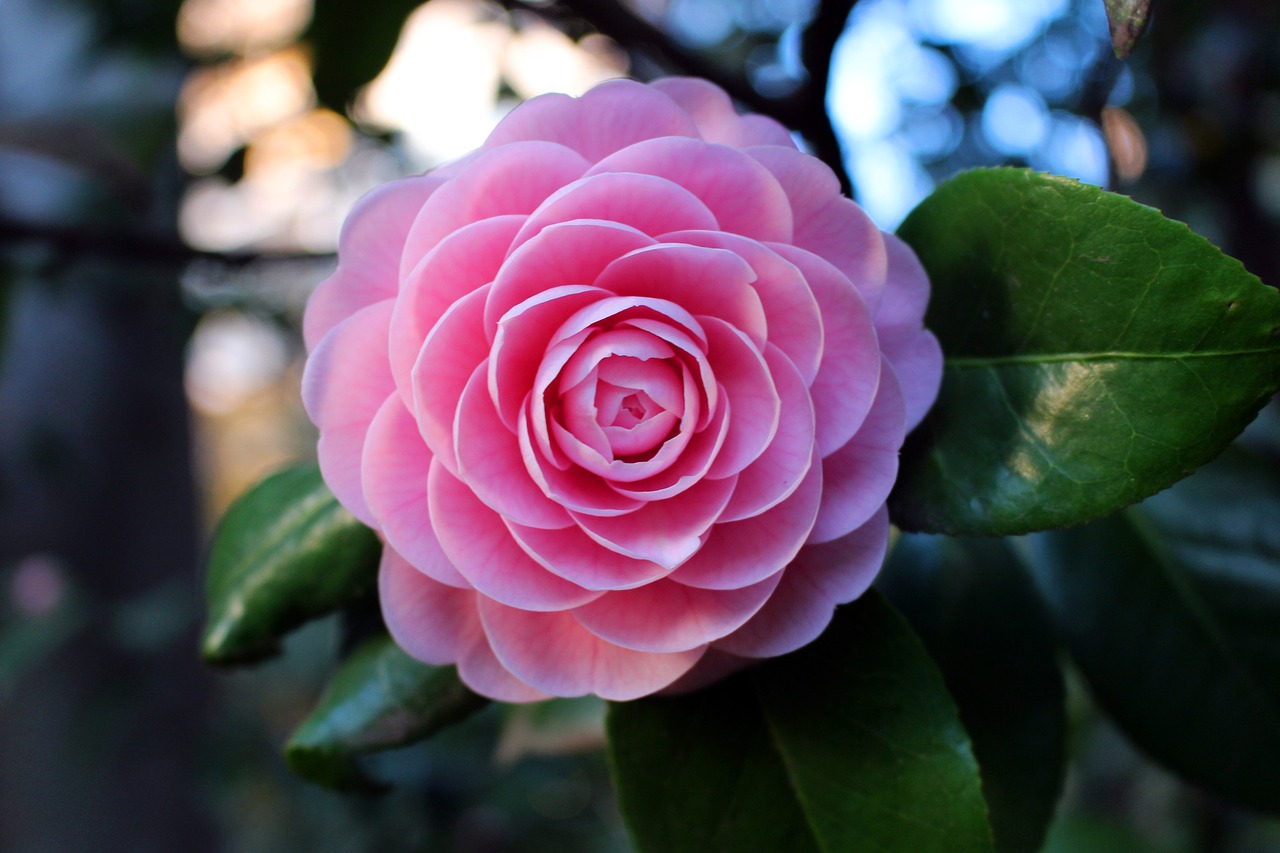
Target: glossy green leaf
(980, 618)
(1127, 20)
(1171, 610)
(700, 774)
(379, 699)
(286, 552)
(1096, 352)
(850, 744)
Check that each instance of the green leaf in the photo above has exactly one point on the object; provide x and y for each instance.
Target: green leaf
(849, 744)
(980, 618)
(1171, 611)
(379, 699)
(1127, 20)
(1096, 353)
(699, 773)
(286, 552)
(351, 44)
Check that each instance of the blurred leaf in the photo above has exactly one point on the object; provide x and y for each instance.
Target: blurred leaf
(553, 727)
(1171, 611)
(981, 620)
(849, 744)
(380, 698)
(351, 43)
(1096, 352)
(1127, 20)
(286, 552)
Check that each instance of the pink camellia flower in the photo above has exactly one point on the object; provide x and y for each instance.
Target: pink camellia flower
(622, 391)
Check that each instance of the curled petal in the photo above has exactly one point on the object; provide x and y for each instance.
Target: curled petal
(664, 616)
(715, 117)
(553, 653)
(710, 282)
(611, 116)
(777, 472)
(512, 179)
(827, 223)
(819, 578)
(845, 385)
(481, 548)
(461, 263)
(754, 405)
(744, 196)
(859, 476)
(490, 462)
(439, 625)
(745, 552)
(369, 250)
(578, 558)
(648, 204)
(394, 467)
(345, 382)
(795, 321)
(665, 532)
(449, 357)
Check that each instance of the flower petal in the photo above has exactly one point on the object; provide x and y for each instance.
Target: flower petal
(743, 195)
(555, 654)
(449, 357)
(511, 179)
(462, 262)
(345, 382)
(913, 351)
(577, 558)
(439, 625)
(715, 117)
(738, 553)
(369, 250)
(820, 577)
(394, 469)
(859, 476)
(490, 461)
(664, 616)
(754, 405)
(610, 116)
(481, 548)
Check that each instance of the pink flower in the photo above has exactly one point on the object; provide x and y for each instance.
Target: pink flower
(622, 391)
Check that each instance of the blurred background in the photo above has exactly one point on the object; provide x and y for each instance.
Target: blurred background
(173, 175)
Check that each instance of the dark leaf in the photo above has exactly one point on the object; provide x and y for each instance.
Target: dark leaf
(285, 553)
(379, 699)
(980, 618)
(1096, 352)
(850, 744)
(1171, 610)
(351, 44)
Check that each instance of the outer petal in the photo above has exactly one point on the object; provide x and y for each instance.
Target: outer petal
(610, 116)
(738, 553)
(512, 179)
(664, 616)
(913, 351)
(555, 654)
(777, 472)
(369, 251)
(480, 547)
(827, 223)
(394, 470)
(440, 625)
(716, 118)
(846, 381)
(744, 196)
(821, 577)
(648, 204)
(450, 355)
(490, 462)
(461, 263)
(859, 476)
(345, 382)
